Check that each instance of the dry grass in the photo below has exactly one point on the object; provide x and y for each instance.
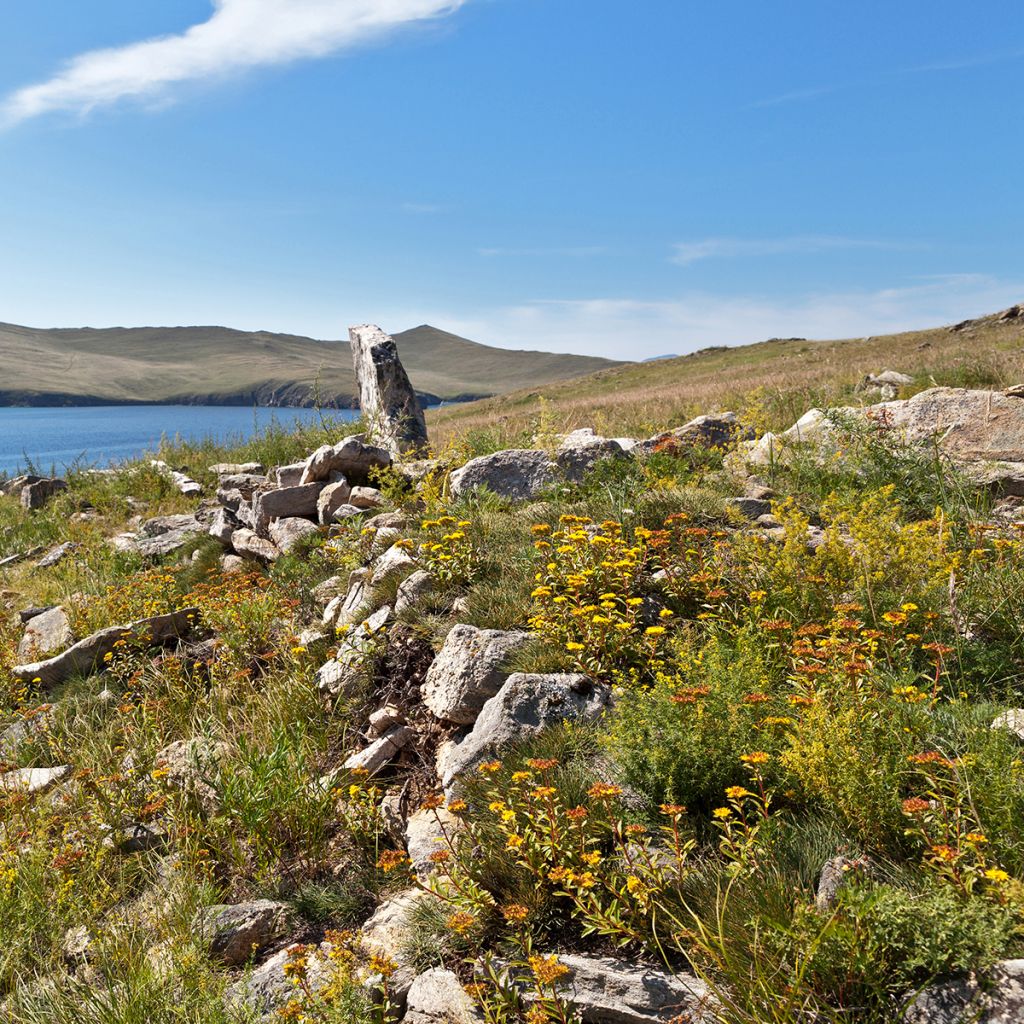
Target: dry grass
(773, 381)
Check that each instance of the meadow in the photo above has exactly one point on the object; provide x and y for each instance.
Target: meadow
(778, 706)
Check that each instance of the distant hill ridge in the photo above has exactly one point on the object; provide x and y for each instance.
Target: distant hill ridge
(224, 366)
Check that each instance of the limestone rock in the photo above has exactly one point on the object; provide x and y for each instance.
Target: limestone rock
(267, 988)
(39, 491)
(247, 544)
(331, 498)
(24, 729)
(290, 475)
(437, 997)
(383, 719)
(231, 468)
(380, 751)
(223, 526)
(413, 590)
(394, 563)
(56, 554)
(580, 451)
(192, 766)
(519, 474)
(182, 481)
(351, 457)
(235, 933)
(388, 930)
(609, 990)
(245, 483)
(526, 705)
(323, 593)
(345, 609)
(340, 675)
(365, 497)
(1012, 721)
(32, 780)
(965, 1001)
(425, 834)
(86, 656)
(46, 634)
(387, 399)
(286, 502)
(231, 564)
(468, 670)
(716, 431)
(287, 533)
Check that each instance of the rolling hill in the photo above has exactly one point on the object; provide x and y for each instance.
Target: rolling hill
(218, 365)
(772, 382)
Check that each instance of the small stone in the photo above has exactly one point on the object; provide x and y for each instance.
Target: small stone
(378, 753)
(288, 533)
(247, 544)
(1012, 721)
(332, 498)
(437, 997)
(32, 780)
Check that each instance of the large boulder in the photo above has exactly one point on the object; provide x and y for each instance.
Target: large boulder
(236, 932)
(427, 831)
(519, 474)
(437, 997)
(981, 432)
(389, 405)
(87, 655)
(332, 498)
(388, 931)
(526, 705)
(469, 670)
(45, 634)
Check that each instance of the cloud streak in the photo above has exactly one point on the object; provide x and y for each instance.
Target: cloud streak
(730, 248)
(626, 327)
(238, 36)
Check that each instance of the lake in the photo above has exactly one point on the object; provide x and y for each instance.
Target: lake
(97, 435)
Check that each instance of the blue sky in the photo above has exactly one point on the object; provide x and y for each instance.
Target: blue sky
(621, 178)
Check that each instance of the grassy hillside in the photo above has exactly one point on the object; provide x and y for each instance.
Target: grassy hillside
(221, 365)
(774, 381)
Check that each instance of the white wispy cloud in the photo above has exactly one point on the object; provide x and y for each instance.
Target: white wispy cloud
(966, 63)
(634, 328)
(686, 253)
(239, 35)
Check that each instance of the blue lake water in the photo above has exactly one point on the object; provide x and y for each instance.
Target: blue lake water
(98, 435)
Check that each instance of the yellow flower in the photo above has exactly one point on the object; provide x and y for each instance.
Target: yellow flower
(737, 792)
(996, 875)
(722, 812)
(654, 630)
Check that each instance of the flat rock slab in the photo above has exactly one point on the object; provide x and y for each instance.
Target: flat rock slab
(86, 656)
(32, 780)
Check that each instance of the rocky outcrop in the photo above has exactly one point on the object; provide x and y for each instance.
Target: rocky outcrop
(524, 706)
(389, 405)
(289, 532)
(469, 670)
(721, 430)
(351, 457)
(579, 452)
(87, 655)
